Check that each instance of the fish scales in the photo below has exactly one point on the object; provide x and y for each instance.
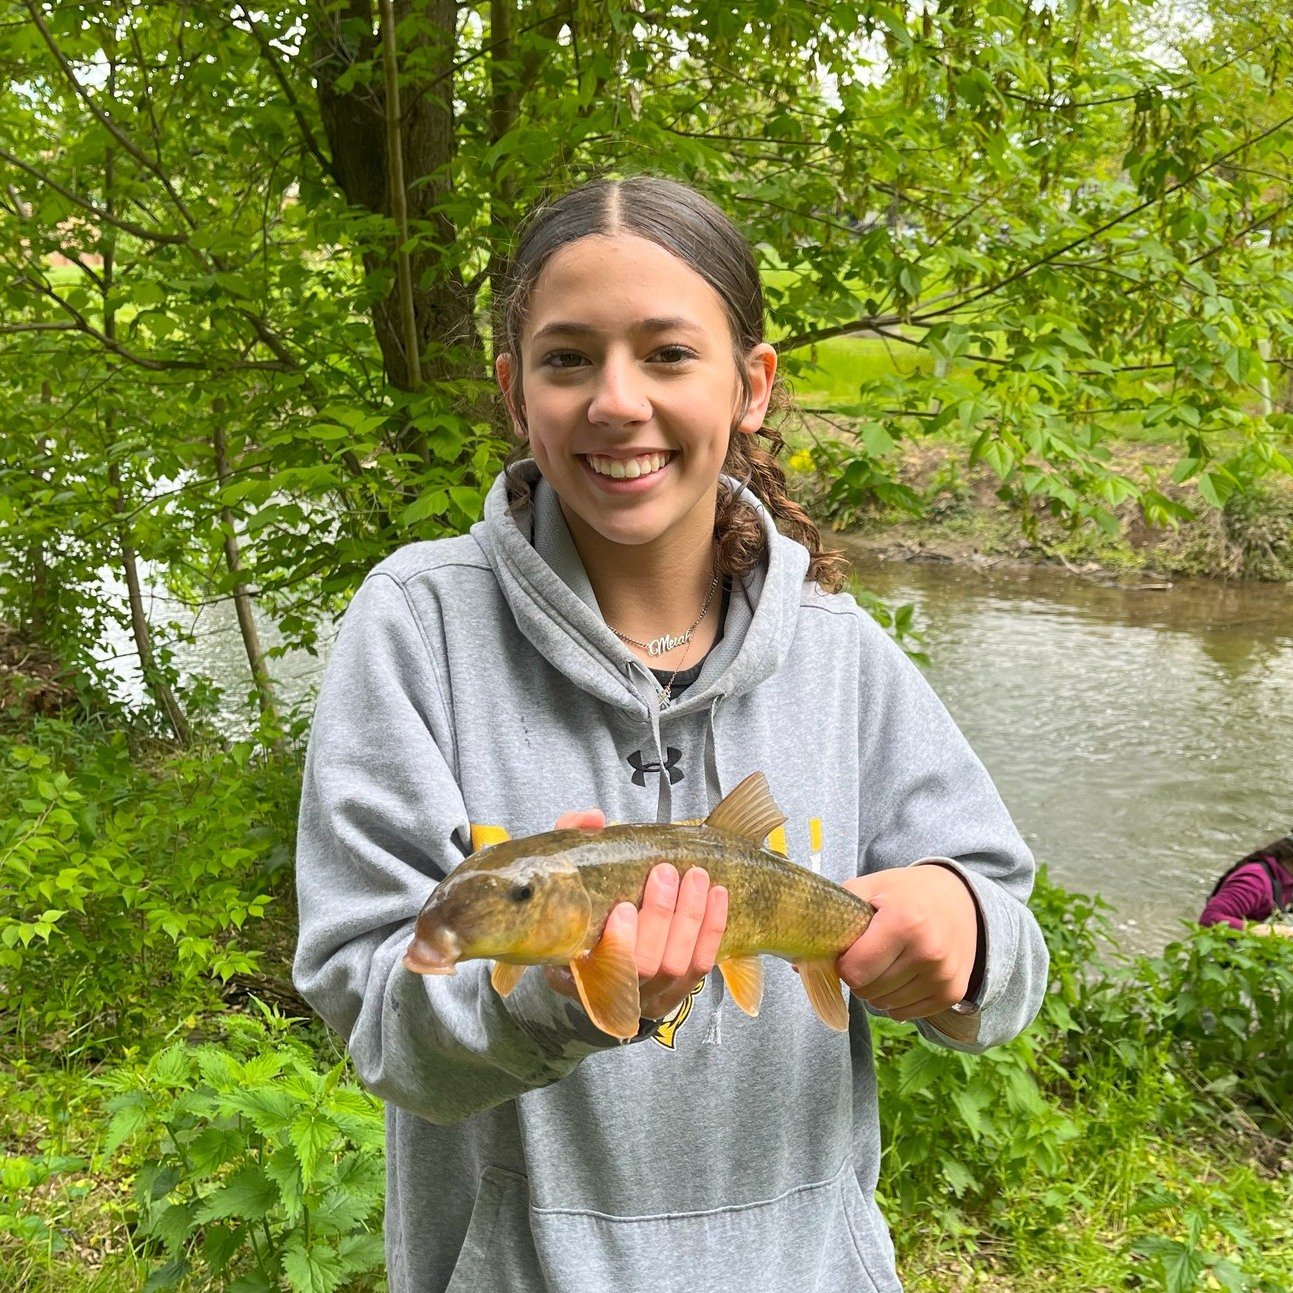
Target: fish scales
(775, 907)
(544, 900)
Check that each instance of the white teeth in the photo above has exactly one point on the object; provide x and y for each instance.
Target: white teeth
(618, 469)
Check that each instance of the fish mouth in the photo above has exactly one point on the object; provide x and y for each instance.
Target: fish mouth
(437, 954)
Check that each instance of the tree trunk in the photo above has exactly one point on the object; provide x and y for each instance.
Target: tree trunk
(242, 601)
(38, 617)
(160, 689)
(346, 34)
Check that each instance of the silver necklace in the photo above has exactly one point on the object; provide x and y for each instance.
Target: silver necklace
(666, 641)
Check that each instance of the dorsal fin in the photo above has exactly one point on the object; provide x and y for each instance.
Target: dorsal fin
(748, 811)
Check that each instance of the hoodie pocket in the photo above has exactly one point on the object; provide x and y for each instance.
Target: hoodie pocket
(498, 1251)
(819, 1238)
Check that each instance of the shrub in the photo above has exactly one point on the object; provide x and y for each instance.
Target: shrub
(119, 881)
(255, 1171)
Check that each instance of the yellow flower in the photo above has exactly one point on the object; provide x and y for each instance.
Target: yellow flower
(800, 461)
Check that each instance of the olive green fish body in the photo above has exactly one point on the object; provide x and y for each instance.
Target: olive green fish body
(545, 899)
(775, 907)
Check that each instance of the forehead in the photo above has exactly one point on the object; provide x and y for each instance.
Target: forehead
(618, 282)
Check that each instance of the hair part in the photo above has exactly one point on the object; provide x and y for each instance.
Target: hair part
(691, 227)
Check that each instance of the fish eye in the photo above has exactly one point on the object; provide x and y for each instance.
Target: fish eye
(521, 892)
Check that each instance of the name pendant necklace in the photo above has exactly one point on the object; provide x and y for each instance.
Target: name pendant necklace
(668, 642)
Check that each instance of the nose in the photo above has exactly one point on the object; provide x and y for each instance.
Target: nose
(620, 398)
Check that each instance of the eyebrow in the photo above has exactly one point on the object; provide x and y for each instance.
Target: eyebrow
(670, 323)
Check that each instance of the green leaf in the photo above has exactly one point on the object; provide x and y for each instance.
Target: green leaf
(249, 1194)
(314, 1269)
(132, 1112)
(919, 1068)
(167, 1276)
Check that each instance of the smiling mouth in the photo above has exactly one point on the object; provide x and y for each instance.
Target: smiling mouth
(644, 464)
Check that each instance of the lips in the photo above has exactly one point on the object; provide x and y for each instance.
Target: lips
(643, 464)
(435, 952)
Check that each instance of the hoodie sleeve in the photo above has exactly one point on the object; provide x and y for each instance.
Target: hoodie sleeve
(926, 797)
(382, 818)
(1245, 894)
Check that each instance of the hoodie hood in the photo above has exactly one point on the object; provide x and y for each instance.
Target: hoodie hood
(548, 592)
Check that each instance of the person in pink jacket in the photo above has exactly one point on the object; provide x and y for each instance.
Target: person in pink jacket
(1256, 887)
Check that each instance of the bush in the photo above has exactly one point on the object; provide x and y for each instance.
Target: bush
(254, 1172)
(121, 882)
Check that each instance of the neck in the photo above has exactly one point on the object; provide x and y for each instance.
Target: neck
(648, 590)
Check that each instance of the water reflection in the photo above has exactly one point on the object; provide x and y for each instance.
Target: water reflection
(1142, 739)
(215, 655)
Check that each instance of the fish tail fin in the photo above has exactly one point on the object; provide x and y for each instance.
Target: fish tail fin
(607, 982)
(743, 976)
(958, 1026)
(825, 994)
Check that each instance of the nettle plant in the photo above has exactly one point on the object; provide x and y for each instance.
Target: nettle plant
(254, 1171)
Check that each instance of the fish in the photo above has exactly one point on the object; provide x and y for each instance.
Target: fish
(543, 900)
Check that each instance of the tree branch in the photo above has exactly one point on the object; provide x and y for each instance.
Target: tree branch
(927, 316)
(269, 54)
(81, 324)
(126, 226)
(102, 117)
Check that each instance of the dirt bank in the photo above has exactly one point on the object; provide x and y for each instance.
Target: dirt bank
(966, 522)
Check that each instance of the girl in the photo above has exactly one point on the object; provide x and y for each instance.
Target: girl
(1258, 887)
(628, 628)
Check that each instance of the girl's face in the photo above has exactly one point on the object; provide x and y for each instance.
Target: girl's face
(629, 391)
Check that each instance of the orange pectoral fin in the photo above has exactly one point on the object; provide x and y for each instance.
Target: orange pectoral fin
(825, 994)
(607, 982)
(505, 977)
(744, 978)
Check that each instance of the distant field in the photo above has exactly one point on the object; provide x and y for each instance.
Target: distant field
(831, 373)
(830, 376)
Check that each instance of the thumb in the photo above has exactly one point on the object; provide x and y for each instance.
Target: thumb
(877, 947)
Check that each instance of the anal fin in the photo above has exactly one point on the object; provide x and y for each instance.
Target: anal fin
(607, 982)
(743, 976)
(825, 994)
(505, 977)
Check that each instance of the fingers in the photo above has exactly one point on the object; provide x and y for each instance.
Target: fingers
(659, 901)
(679, 932)
(587, 819)
(682, 930)
(916, 956)
(676, 934)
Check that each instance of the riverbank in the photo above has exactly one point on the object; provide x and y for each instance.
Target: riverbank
(964, 521)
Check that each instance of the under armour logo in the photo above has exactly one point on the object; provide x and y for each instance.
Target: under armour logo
(640, 767)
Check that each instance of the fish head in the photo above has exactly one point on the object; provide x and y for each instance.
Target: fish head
(506, 905)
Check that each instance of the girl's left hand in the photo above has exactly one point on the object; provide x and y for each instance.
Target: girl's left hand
(917, 955)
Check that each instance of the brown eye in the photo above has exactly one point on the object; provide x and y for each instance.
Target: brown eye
(521, 893)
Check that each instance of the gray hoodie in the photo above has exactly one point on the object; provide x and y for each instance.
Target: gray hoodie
(473, 690)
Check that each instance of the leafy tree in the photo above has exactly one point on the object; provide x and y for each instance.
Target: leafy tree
(242, 357)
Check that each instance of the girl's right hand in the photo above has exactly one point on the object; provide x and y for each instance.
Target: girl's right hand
(677, 932)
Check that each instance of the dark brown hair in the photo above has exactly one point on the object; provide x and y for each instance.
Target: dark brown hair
(1281, 850)
(692, 228)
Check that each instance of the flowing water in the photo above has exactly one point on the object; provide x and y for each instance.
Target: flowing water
(1142, 738)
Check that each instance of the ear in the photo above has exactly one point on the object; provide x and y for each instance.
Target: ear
(761, 369)
(505, 370)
